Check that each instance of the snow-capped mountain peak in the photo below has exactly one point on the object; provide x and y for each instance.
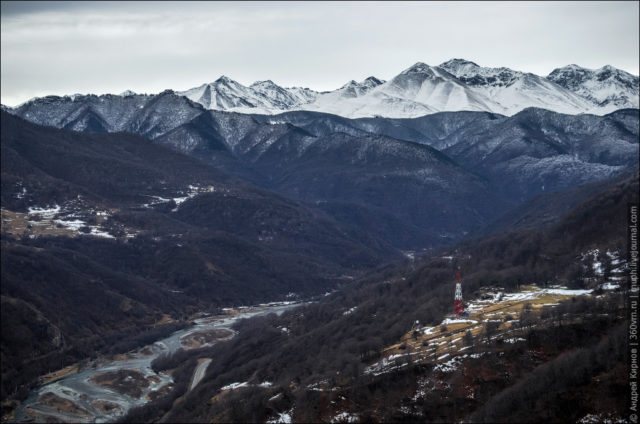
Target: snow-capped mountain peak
(265, 83)
(417, 68)
(458, 62)
(372, 82)
(355, 89)
(457, 84)
(459, 66)
(223, 94)
(225, 80)
(260, 97)
(368, 82)
(608, 88)
(351, 83)
(474, 75)
(570, 76)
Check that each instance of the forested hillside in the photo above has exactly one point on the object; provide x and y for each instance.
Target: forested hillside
(318, 367)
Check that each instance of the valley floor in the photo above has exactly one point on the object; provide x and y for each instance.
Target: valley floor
(107, 388)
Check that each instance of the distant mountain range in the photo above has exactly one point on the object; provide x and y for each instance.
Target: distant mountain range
(455, 85)
(419, 181)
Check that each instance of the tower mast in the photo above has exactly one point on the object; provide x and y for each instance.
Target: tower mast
(458, 306)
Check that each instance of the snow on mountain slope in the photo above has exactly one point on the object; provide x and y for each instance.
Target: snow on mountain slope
(364, 99)
(261, 97)
(455, 85)
(356, 89)
(224, 94)
(435, 87)
(514, 91)
(608, 88)
(278, 97)
(419, 90)
(375, 103)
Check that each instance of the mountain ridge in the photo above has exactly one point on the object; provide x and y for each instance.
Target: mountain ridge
(421, 89)
(506, 158)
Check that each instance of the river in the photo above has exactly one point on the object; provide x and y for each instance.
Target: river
(83, 401)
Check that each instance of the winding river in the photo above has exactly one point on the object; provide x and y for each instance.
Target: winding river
(79, 399)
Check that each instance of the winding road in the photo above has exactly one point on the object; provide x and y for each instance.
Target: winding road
(199, 373)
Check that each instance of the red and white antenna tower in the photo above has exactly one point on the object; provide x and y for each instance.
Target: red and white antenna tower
(458, 306)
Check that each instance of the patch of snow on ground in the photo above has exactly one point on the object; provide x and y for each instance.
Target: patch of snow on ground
(410, 254)
(535, 293)
(46, 213)
(234, 386)
(76, 224)
(179, 200)
(100, 233)
(283, 417)
(315, 386)
(450, 365)
(609, 286)
(405, 410)
(567, 292)
(350, 311)
(527, 295)
(194, 190)
(383, 366)
(597, 268)
(490, 298)
(345, 417)
(599, 418)
(21, 194)
(458, 321)
(400, 355)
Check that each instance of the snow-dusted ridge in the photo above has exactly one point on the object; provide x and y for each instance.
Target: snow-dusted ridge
(607, 87)
(422, 89)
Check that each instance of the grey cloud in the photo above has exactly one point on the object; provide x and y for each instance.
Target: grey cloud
(69, 47)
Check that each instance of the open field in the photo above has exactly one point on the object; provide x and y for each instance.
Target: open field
(438, 344)
(18, 224)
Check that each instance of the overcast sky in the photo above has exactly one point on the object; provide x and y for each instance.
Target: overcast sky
(108, 47)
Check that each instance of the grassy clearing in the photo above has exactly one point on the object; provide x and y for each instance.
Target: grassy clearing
(18, 223)
(431, 343)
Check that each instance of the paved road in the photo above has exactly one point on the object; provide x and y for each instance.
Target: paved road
(199, 373)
